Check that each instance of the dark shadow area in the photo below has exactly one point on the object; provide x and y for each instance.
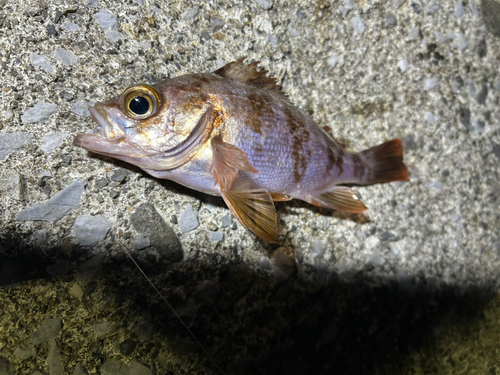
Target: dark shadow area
(253, 325)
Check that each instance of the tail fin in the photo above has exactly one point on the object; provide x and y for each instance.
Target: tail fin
(385, 163)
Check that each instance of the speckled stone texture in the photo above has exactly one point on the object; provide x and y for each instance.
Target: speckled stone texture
(406, 288)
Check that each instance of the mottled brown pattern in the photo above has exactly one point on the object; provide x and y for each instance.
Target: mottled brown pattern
(331, 159)
(258, 111)
(300, 137)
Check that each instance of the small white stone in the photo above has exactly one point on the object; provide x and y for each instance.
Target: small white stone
(430, 83)
(70, 26)
(430, 117)
(41, 62)
(39, 112)
(114, 36)
(332, 60)
(358, 25)
(459, 9)
(216, 236)
(402, 66)
(106, 20)
(65, 57)
(52, 141)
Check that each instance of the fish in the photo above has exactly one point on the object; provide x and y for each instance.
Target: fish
(234, 133)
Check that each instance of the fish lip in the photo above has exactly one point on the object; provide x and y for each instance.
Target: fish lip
(98, 115)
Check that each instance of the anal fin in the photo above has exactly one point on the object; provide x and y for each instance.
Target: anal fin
(339, 198)
(277, 197)
(254, 209)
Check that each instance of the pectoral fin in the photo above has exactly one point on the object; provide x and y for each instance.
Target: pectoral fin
(227, 161)
(254, 209)
(339, 198)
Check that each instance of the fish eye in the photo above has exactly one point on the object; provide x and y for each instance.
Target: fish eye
(140, 102)
(140, 105)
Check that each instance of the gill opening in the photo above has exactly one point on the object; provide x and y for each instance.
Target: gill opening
(184, 151)
(175, 313)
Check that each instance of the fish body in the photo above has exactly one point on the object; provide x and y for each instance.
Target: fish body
(234, 133)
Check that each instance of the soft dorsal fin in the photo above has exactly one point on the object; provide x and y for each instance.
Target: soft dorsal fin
(249, 74)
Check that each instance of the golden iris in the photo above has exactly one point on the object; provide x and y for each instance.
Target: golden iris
(140, 102)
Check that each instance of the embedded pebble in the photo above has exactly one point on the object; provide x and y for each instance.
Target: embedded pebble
(137, 368)
(376, 258)
(459, 9)
(24, 352)
(127, 347)
(162, 237)
(119, 175)
(415, 33)
(13, 185)
(402, 66)
(430, 83)
(90, 271)
(101, 329)
(12, 141)
(271, 39)
(144, 329)
(76, 291)
(141, 242)
(52, 141)
(430, 117)
(114, 36)
(6, 368)
(42, 237)
(333, 60)
(42, 62)
(80, 370)
(226, 221)
(189, 221)
(106, 19)
(91, 3)
(114, 367)
(90, 230)
(70, 26)
(462, 44)
(54, 362)
(191, 13)
(482, 95)
(56, 207)
(81, 108)
(39, 112)
(65, 57)
(433, 7)
(216, 236)
(436, 185)
(208, 290)
(49, 329)
(216, 23)
(358, 25)
(490, 10)
(390, 20)
(265, 4)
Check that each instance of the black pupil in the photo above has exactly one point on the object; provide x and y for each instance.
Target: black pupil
(139, 105)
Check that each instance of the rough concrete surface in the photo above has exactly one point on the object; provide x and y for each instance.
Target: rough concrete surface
(410, 287)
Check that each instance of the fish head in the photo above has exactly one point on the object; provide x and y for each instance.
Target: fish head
(138, 127)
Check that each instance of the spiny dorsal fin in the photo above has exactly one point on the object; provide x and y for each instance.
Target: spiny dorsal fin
(249, 74)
